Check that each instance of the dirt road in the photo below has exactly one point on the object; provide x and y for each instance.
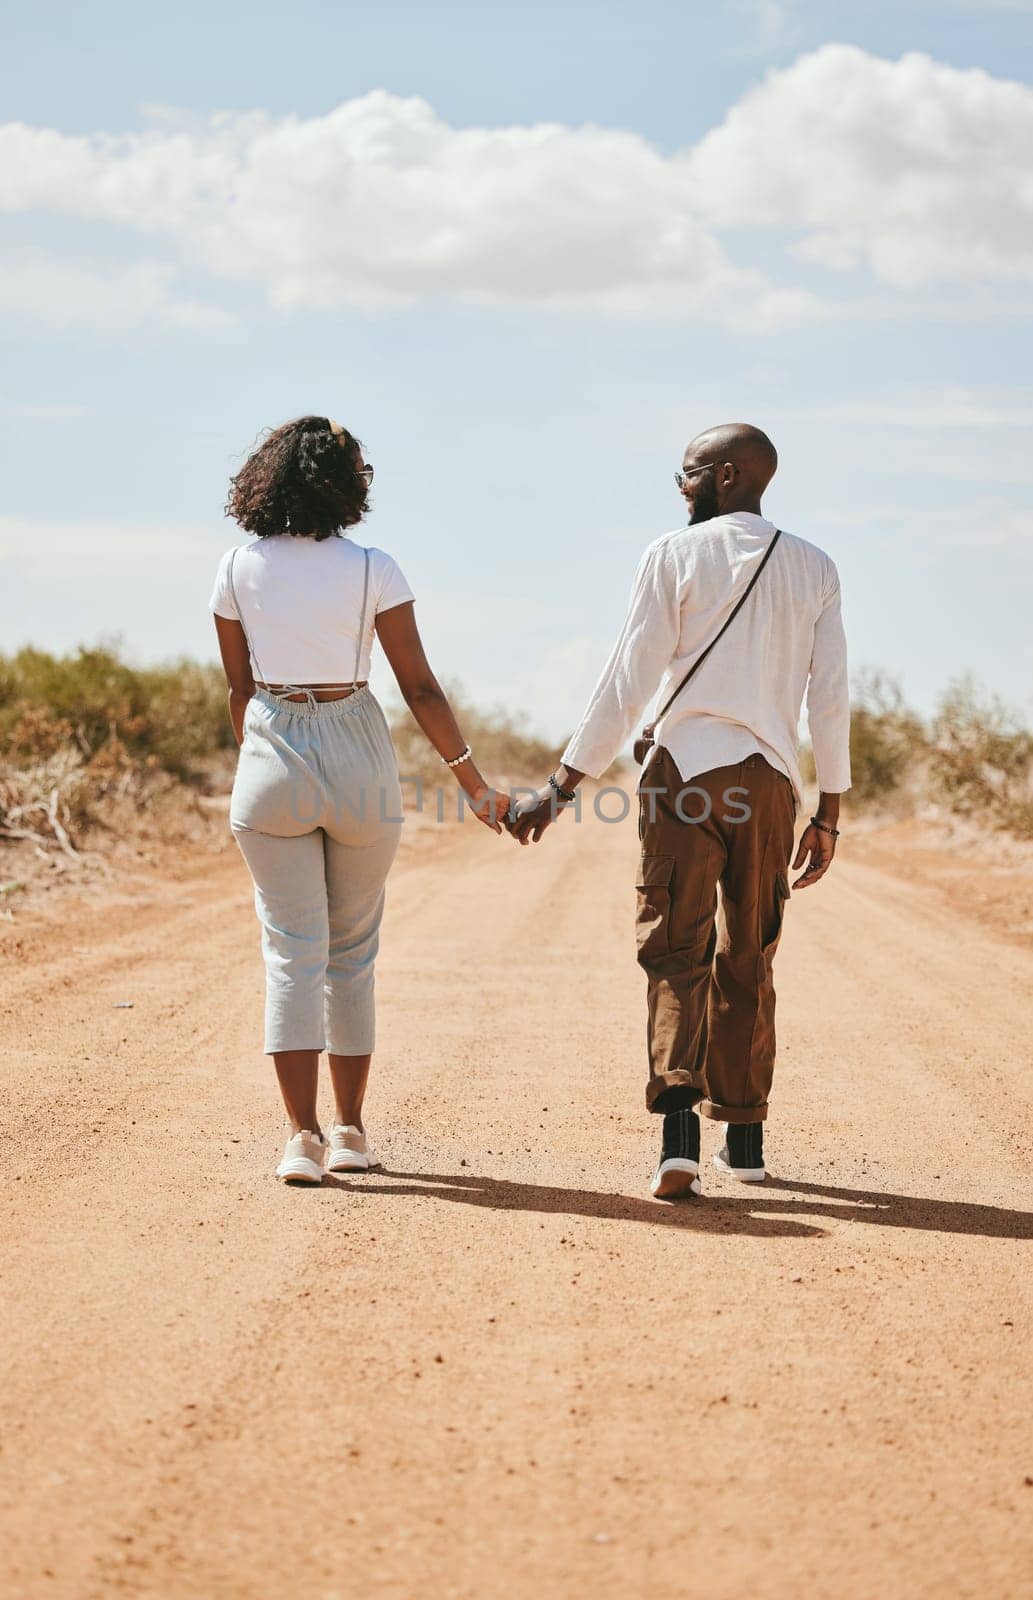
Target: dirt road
(499, 1368)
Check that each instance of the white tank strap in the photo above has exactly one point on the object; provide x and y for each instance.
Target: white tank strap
(240, 614)
(362, 620)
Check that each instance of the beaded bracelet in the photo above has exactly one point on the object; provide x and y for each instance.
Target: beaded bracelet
(565, 794)
(459, 759)
(825, 827)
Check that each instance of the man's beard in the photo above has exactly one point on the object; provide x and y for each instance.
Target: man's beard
(705, 504)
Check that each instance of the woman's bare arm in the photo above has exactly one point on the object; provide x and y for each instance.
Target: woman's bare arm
(423, 694)
(236, 662)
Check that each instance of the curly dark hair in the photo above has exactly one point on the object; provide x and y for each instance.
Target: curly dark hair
(304, 479)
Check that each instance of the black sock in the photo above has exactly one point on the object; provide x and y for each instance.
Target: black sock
(746, 1144)
(681, 1136)
(680, 1098)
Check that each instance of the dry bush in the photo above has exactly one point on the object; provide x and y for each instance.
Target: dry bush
(888, 747)
(44, 802)
(86, 739)
(175, 714)
(982, 758)
(888, 742)
(62, 801)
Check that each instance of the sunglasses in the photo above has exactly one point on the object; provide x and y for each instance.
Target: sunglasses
(366, 472)
(682, 478)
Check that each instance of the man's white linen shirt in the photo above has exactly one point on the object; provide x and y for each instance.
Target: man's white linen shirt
(786, 642)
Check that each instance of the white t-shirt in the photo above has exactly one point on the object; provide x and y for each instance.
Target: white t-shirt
(300, 600)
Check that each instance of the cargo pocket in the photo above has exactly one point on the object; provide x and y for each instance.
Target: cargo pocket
(773, 930)
(653, 914)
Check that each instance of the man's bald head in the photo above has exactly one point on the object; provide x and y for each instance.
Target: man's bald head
(727, 469)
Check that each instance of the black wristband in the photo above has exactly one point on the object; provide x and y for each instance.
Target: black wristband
(564, 794)
(825, 827)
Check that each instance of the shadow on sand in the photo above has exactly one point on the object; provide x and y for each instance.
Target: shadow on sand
(759, 1210)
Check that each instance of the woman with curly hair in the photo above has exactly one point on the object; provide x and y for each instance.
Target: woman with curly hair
(316, 804)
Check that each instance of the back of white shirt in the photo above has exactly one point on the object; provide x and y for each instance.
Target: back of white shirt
(787, 641)
(300, 602)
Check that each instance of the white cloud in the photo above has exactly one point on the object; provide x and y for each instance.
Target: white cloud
(916, 169)
(913, 169)
(380, 203)
(66, 293)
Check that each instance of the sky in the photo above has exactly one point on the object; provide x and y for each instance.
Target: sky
(524, 256)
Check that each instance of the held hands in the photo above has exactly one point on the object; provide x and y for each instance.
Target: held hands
(534, 814)
(492, 807)
(498, 810)
(527, 820)
(524, 821)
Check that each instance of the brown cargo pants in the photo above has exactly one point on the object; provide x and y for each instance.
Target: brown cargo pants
(711, 997)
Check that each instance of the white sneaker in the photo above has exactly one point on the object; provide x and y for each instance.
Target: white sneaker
(350, 1150)
(676, 1178)
(303, 1158)
(722, 1162)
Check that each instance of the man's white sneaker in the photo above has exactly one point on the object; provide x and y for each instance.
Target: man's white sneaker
(746, 1161)
(350, 1150)
(676, 1178)
(303, 1158)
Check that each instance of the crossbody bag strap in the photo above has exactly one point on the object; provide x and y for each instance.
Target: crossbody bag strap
(668, 703)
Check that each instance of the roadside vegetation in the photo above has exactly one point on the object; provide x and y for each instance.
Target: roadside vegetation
(92, 745)
(973, 758)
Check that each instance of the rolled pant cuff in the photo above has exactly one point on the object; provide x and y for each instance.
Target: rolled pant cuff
(735, 1114)
(672, 1080)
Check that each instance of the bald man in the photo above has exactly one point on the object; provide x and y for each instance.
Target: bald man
(721, 788)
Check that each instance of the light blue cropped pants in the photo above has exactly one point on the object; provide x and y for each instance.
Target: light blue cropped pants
(316, 811)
